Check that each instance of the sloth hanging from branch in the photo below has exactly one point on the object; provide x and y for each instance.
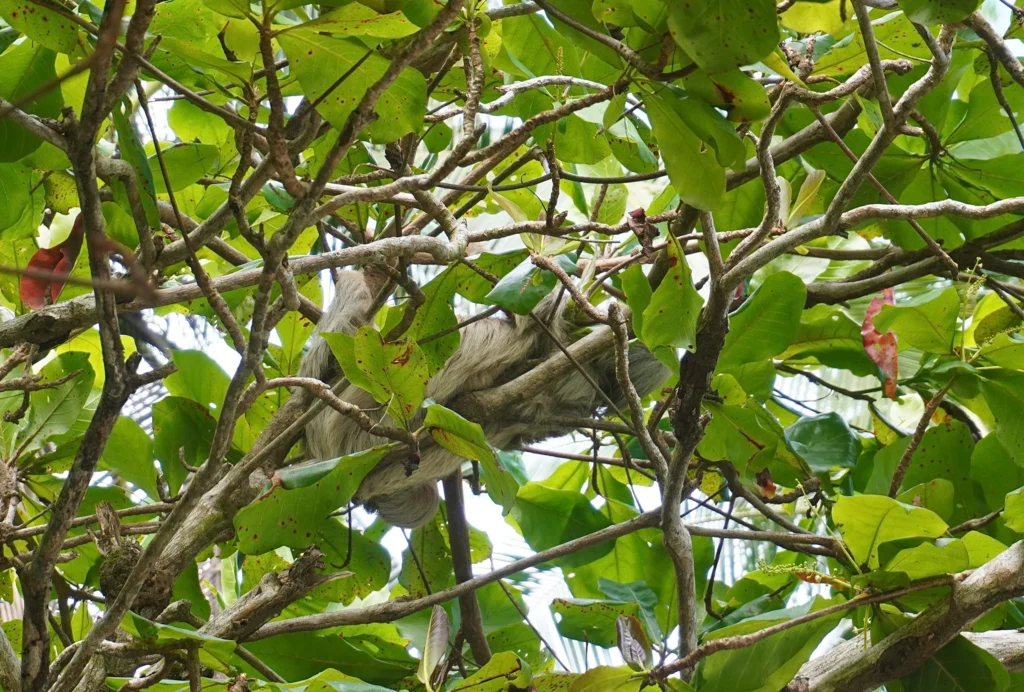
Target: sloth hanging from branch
(495, 354)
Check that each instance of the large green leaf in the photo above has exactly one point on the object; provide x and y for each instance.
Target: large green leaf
(182, 430)
(945, 556)
(825, 442)
(549, 517)
(692, 167)
(867, 521)
(220, 649)
(770, 663)
(41, 24)
(1013, 513)
(185, 163)
(766, 324)
(129, 454)
(26, 66)
(927, 322)
(434, 316)
(938, 11)
(466, 439)
(945, 453)
(896, 38)
(22, 210)
(588, 620)
(55, 409)
(305, 655)
(198, 377)
(720, 36)
(505, 671)
(670, 318)
(1006, 404)
(524, 287)
(959, 666)
(368, 561)
(397, 372)
(318, 61)
(358, 20)
(291, 517)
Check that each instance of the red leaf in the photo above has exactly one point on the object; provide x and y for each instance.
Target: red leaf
(881, 348)
(765, 483)
(49, 267)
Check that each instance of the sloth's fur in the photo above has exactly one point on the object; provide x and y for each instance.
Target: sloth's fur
(491, 351)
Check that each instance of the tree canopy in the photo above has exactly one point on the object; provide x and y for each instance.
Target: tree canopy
(812, 212)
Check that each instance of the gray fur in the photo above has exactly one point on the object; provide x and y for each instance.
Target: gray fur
(490, 352)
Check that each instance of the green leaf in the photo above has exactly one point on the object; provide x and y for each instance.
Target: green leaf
(525, 286)
(129, 454)
(358, 20)
(181, 424)
(828, 335)
(741, 96)
(938, 11)
(193, 124)
(720, 38)
(692, 167)
(504, 671)
(945, 453)
(369, 562)
(221, 649)
(53, 411)
(608, 679)
(927, 322)
(307, 655)
(533, 48)
(132, 152)
(959, 666)
(119, 225)
(436, 315)
(318, 61)
(645, 597)
(26, 66)
(549, 517)
(766, 323)
(825, 442)
(937, 495)
(427, 562)
(995, 323)
(22, 211)
(198, 377)
(397, 372)
(41, 24)
(736, 434)
(466, 439)
(867, 521)
(1013, 514)
(670, 319)
(772, 662)
(638, 294)
(474, 287)
(944, 556)
(896, 38)
(343, 347)
(290, 517)
(186, 163)
(589, 620)
(1006, 406)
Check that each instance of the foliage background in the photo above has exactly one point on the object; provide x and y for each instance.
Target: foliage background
(810, 210)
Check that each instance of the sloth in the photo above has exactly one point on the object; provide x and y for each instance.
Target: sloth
(491, 352)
